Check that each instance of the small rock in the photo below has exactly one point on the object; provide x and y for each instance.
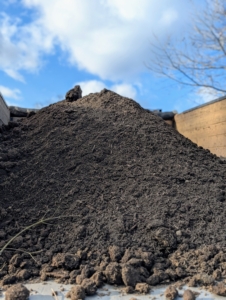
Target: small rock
(74, 94)
(188, 295)
(171, 292)
(17, 292)
(97, 278)
(113, 273)
(89, 287)
(142, 288)
(130, 276)
(76, 293)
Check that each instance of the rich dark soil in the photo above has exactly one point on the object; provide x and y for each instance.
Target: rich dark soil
(113, 174)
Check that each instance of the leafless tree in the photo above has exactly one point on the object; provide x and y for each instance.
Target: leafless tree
(197, 60)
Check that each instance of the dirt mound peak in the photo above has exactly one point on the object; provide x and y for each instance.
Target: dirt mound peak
(110, 101)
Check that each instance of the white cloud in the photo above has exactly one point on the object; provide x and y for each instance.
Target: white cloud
(91, 86)
(125, 89)
(15, 75)
(95, 86)
(22, 46)
(201, 96)
(168, 17)
(108, 38)
(204, 95)
(128, 9)
(10, 93)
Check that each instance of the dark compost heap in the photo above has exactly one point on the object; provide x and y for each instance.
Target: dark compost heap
(123, 192)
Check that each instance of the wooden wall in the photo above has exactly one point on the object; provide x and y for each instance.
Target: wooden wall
(4, 112)
(205, 125)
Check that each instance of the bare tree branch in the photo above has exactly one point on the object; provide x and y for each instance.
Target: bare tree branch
(199, 59)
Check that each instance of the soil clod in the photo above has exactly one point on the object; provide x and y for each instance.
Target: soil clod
(17, 292)
(188, 295)
(171, 293)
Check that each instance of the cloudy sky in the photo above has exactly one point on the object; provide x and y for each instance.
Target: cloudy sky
(48, 46)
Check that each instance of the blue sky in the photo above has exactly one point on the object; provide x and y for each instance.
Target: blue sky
(48, 46)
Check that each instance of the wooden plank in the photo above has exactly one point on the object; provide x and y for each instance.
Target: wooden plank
(205, 126)
(211, 130)
(200, 120)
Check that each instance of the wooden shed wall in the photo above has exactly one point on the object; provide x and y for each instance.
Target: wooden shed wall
(205, 126)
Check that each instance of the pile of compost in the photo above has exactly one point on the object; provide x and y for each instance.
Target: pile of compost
(110, 192)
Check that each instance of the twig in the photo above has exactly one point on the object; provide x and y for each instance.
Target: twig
(54, 294)
(2, 267)
(30, 253)
(29, 227)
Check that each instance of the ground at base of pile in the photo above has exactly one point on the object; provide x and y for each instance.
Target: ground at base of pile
(52, 290)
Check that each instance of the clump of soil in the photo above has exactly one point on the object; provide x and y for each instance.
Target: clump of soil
(17, 292)
(171, 293)
(188, 295)
(117, 192)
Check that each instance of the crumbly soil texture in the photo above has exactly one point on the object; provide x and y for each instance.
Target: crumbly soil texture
(101, 188)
